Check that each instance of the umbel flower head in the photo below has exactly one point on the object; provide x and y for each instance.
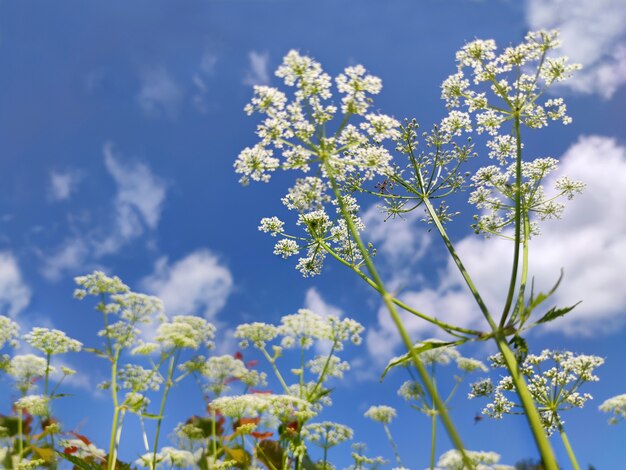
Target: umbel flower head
(51, 341)
(554, 378)
(9, 331)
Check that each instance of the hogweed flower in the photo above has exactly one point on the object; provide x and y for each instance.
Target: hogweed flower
(51, 341)
(554, 379)
(327, 434)
(452, 460)
(98, 283)
(138, 379)
(382, 413)
(36, 405)
(615, 405)
(283, 407)
(81, 449)
(9, 331)
(186, 331)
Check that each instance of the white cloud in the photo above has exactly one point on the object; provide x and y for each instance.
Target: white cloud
(68, 257)
(63, 184)
(257, 73)
(314, 302)
(159, 93)
(138, 202)
(14, 293)
(137, 207)
(195, 285)
(593, 34)
(589, 243)
(401, 241)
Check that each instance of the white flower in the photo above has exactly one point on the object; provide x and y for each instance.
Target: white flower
(36, 405)
(98, 283)
(452, 460)
(81, 449)
(51, 341)
(186, 331)
(258, 333)
(354, 84)
(382, 413)
(136, 378)
(255, 163)
(283, 407)
(139, 308)
(326, 434)
(9, 331)
(615, 405)
(271, 225)
(308, 194)
(27, 366)
(286, 248)
(380, 127)
(300, 329)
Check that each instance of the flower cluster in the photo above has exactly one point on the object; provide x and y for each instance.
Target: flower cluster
(299, 130)
(9, 331)
(382, 413)
(453, 460)
(51, 341)
(284, 407)
(186, 331)
(616, 406)
(553, 377)
(495, 192)
(327, 434)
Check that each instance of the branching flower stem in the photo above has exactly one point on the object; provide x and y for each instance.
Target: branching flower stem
(112, 458)
(518, 222)
(168, 385)
(451, 329)
(545, 449)
(568, 448)
(388, 301)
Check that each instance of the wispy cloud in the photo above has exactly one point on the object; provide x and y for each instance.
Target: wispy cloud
(160, 94)
(137, 207)
(198, 284)
(593, 34)
(314, 302)
(14, 293)
(589, 243)
(257, 73)
(63, 184)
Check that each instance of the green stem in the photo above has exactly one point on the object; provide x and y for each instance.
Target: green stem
(393, 444)
(388, 301)
(518, 221)
(112, 458)
(444, 326)
(520, 385)
(468, 280)
(532, 415)
(213, 435)
(168, 385)
(20, 436)
(568, 448)
(433, 436)
(275, 369)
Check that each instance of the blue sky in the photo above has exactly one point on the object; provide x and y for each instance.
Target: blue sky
(119, 125)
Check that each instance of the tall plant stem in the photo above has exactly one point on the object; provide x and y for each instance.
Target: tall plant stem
(20, 436)
(388, 301)
(393, 444)
(168, 385)
(112, 458)
(539, 435)
(518, 221)
(568, 448)
(433, 436)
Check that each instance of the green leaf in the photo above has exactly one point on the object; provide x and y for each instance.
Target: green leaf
(150, 416)
(555, 313)
(271, 454)
(239, 455)
(520, 347)
(534, 302)
(418, 349)
(97, 352)
(78, 462)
